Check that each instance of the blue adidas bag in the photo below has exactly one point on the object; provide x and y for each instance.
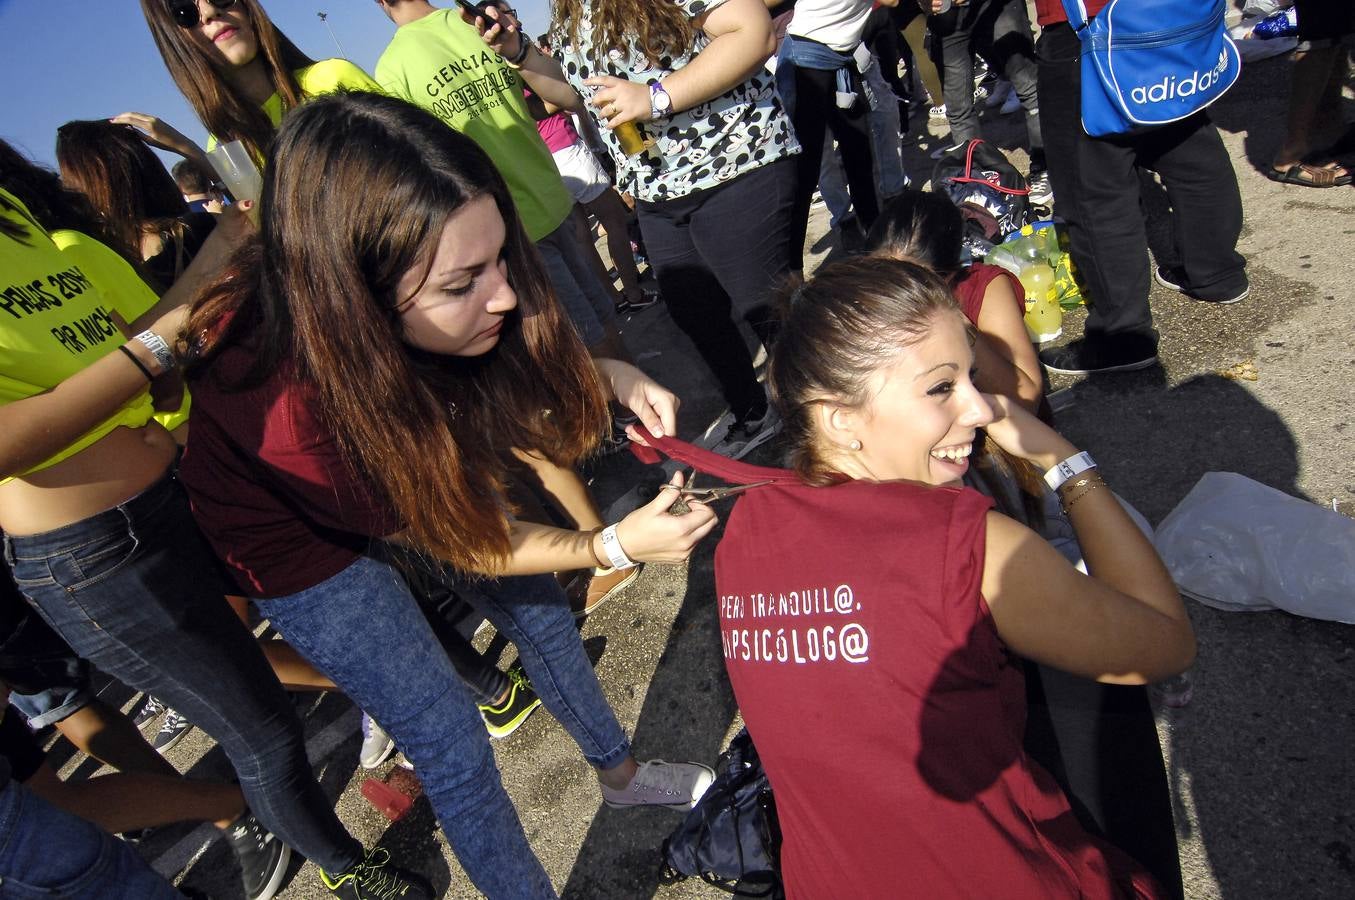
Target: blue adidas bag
(1150, 62)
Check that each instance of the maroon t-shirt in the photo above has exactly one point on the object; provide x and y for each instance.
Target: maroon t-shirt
(268, 485)
(972, 284)
(887, 711)
(1049, 12)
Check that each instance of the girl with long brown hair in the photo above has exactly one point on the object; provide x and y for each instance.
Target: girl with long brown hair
(138, 200)
(361, 378)
(237, 70)
(713, 195)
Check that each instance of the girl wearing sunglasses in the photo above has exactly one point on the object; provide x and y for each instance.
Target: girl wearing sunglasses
(237, 70)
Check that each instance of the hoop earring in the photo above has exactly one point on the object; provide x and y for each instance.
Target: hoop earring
(855, 445)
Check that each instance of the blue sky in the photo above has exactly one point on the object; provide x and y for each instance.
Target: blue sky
(89, 59)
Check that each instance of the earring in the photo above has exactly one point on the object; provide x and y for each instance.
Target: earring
(855, 445)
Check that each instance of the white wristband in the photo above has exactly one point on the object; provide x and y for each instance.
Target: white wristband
(159, 349)
(1073, 465)
(611, 545)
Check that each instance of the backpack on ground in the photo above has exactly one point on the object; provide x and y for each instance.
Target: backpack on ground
(991, 193)
(730, 838)
(1150, 62)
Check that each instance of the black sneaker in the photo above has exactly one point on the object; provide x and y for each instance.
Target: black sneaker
(148, 712)
(171, 732)
(376, 879)
(505, 718)
(748, 433)
(1082, 357)
(1174, 279)
(263, 858)
(647, 299)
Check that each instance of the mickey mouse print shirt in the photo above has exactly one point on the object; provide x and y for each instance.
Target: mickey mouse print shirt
(698, 148)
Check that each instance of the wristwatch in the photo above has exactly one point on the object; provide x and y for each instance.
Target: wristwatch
(660, 104)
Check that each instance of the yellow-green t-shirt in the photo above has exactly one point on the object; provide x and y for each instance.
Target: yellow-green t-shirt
(54, 321)
(122, 287)
(440, 63)
(323, 77)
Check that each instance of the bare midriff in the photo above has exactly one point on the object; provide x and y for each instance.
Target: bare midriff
(120, 465)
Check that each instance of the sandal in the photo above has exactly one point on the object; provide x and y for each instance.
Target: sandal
(1309, 175)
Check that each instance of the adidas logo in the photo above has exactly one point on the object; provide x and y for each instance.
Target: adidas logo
(1173, 88)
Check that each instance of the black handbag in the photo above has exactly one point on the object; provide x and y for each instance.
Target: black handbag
(731, 838)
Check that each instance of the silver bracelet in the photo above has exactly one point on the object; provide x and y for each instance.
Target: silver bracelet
(611, 545)
(159, 349)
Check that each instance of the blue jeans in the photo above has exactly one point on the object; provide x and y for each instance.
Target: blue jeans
(585, 300)
(133, 590)
(46, 853)
(363, 629)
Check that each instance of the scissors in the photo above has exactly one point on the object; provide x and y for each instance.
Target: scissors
(708, 495)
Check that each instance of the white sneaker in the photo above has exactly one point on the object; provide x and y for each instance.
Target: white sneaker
(937, 114)
(659, 783)
(376, 744)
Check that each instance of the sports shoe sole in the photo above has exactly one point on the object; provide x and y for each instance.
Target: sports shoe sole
(173, 742)
(385, 755)
(279, 873)
(1123, 367)
(617, 588)
(499, 732)
(1173, 286)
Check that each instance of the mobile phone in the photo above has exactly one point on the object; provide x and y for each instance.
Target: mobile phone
(478, 9)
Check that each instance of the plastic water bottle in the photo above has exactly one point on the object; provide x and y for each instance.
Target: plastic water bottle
(1044, 317)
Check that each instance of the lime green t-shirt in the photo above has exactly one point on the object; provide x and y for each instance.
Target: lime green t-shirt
(441, 64)
(54, 321)
(122, 287)
(323, 77)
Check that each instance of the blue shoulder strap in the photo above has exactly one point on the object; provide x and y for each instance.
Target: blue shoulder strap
(1077, 14)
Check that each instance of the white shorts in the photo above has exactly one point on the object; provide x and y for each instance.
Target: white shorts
(582, 173)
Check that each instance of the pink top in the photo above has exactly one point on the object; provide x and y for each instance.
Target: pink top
(558, 132)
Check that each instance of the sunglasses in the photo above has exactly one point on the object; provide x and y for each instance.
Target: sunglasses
(185, 12)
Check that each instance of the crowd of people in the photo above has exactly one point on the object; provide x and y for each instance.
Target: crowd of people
(189, 443)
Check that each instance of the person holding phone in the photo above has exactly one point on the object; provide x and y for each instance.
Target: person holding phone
(713, 194)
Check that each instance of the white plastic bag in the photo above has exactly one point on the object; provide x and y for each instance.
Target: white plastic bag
(1237, 545)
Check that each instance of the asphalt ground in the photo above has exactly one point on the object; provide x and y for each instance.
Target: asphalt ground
(1259, 760)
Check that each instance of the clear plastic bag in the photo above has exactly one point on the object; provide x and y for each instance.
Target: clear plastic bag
(1238, 545)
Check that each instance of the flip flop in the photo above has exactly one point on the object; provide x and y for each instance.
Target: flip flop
(1308, 175)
